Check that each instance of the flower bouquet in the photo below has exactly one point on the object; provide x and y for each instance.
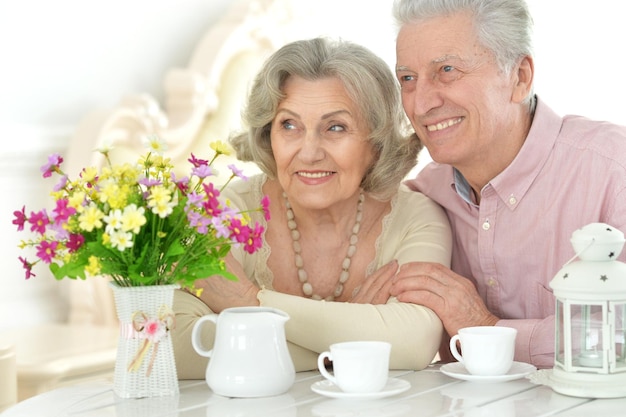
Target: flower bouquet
(150, 232)
(139, 225)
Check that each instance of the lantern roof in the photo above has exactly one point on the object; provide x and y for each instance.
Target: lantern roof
(597, 275)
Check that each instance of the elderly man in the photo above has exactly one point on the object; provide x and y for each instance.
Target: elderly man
(515, 178)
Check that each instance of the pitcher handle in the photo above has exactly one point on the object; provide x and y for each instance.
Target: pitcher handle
(196, 340)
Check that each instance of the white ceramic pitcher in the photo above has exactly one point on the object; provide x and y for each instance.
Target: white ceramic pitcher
(249, 356)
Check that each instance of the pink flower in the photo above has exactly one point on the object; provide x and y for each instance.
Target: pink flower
(197, 162)
(75, 242)
(211, 192)
(47, 250)
(182, 184)
(254, 240)
(153, 330)
(20, 218)
(212, 207)
(62, 212)
(265, 205)
(238, 231)
(28, 267)
(38, 221)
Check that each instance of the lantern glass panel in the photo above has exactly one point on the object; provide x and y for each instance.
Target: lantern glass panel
(560, 347)
(620, 335)
(587, 324)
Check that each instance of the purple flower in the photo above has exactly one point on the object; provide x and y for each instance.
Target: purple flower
(202, 171)
(54, 161)
(237, 172)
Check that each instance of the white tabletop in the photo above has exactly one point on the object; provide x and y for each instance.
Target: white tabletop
(431, 394)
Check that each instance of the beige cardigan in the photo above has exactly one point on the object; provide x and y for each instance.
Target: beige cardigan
(416, 229)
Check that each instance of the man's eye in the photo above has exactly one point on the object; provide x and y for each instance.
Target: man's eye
(406, 78)
(448, 73)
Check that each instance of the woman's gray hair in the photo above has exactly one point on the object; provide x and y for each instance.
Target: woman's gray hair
(502, 26)
(370, 84)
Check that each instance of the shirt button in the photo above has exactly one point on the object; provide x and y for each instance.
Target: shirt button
(512, 200)
(492, 282)
(486, 225)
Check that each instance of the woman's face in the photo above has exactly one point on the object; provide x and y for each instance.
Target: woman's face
(320, 144)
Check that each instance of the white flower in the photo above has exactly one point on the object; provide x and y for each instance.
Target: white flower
(155, 144)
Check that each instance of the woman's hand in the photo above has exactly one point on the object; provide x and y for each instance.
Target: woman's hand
(376, 287)
(220, 293)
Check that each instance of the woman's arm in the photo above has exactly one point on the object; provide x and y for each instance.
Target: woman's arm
(413, 331)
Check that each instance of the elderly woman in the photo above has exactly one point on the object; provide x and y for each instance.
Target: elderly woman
(325, 127)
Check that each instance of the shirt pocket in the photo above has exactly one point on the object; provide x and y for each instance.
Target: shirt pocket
(542, 304)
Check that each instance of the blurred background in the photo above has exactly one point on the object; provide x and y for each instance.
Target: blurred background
(63, 60)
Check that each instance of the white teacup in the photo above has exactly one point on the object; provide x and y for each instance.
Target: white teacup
(361, 367)
(487, 350)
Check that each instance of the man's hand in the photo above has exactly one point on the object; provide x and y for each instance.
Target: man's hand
(375, 289)
(452, 297)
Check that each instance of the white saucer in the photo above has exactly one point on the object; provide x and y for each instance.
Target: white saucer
(517, 371)
(328, 389)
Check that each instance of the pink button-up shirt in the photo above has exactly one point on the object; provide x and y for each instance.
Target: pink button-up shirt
(570, 172)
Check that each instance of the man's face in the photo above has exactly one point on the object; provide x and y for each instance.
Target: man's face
(459, 102)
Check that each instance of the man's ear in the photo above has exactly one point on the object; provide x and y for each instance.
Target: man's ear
(525, 72)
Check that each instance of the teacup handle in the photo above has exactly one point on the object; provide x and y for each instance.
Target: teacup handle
(196, 340)
(322, 367)
(454, 350)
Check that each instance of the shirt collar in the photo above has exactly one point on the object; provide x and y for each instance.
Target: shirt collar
(462, 187)
(512, 184)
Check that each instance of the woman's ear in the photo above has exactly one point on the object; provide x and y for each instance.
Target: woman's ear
(525, 72)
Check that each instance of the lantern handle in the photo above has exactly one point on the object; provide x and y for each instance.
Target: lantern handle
(593, 239)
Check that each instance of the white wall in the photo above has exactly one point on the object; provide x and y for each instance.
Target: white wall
(60, 61)
(64, 59)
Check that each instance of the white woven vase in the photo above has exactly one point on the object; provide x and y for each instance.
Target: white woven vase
(144, 366)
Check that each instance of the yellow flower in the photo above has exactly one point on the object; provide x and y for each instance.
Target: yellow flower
(133, 218)
(160, 201)
(108, 190)
(89, 174)
(76, 200)
(220, 147)
(93, 268)
(91, 218)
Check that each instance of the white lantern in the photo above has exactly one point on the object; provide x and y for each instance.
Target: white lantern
(590, 345)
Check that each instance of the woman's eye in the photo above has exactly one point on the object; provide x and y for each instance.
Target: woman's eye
(337, 128)
(288, 125)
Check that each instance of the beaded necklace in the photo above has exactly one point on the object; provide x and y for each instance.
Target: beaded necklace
(307, 288)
